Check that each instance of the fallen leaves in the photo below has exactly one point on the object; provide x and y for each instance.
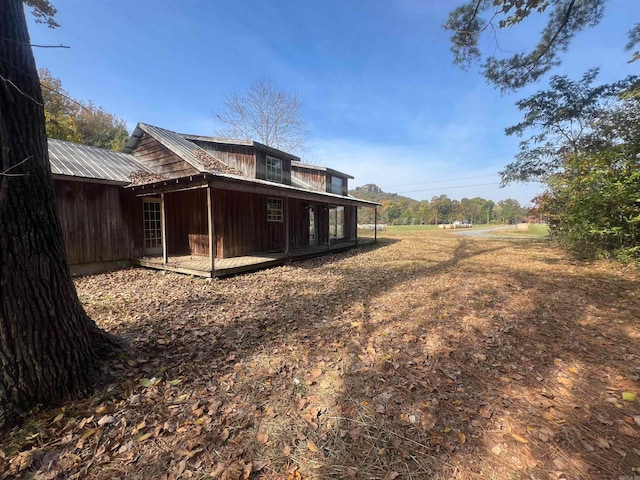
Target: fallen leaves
(396, 362)
(311, 445)
(238, 470)
(519, 438)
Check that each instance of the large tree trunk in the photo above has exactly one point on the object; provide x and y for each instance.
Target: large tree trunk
(49, 347)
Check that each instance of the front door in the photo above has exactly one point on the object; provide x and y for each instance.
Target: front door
(152, 211)
(313, 236)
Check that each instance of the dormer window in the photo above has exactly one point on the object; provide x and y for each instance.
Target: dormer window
(274, 169)
(337, 185)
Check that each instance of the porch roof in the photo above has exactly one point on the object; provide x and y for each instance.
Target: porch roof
(73, 160)
(243, 184)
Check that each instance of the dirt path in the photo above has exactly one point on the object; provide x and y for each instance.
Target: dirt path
(489, 232)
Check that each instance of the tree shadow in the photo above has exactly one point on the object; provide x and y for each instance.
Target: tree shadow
(429, 359)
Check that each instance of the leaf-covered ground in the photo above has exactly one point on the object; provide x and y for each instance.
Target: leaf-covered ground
(427, 356)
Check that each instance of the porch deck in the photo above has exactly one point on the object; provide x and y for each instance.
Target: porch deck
(200, 265)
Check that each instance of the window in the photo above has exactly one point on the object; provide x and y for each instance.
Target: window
(274, 210)
(274, 169)
(152, 212)
(336, 222)
(337, 185)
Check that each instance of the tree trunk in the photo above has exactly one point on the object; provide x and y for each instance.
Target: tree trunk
(49, 347)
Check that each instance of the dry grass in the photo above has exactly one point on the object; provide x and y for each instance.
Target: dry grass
(430, 356)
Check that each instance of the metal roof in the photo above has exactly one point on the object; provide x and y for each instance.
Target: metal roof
(276, 188)
(245, 143)
(172, 140)
(76, 160)
(320, 168)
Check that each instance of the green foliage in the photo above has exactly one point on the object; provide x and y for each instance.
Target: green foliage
(74, 121)
(584, 146)
(43, 11)
(564, 19)
(594, 205)
(569, 117)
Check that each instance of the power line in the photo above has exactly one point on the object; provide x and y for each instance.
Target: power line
(447, 188)
(438, 181)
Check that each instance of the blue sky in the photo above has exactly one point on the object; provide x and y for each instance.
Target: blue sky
(381, 97)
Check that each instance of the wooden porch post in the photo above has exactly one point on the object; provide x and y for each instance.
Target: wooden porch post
(212, 238)
(286, 226)
(356, 224)
(375, 224)
(329, 236)
(163, 222)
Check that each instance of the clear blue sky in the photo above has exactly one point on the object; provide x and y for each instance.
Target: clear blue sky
(380, 94)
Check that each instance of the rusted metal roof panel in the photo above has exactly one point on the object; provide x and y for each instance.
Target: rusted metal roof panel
(76, 160)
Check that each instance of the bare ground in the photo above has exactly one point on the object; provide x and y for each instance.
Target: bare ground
(428, 356)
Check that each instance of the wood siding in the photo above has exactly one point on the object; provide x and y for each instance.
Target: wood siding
(298, 223)
(187, 226)
(323, 224)
(238, 156)
(316, 179)
(100, 223)
(160, 159)
(241, 226)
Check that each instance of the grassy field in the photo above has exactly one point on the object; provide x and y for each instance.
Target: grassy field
(427, 356)
(534, 231)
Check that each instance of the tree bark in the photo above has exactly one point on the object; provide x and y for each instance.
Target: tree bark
(49, 347)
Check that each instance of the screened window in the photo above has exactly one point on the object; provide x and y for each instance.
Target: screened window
(274, 210)
(336, 222)
(274, 169)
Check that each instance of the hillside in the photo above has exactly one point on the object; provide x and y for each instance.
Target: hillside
(374, 193)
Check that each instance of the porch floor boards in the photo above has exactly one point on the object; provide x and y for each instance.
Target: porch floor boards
(200, 265)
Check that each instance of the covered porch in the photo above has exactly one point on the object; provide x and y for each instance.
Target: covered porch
(200, 265)
(213, 226)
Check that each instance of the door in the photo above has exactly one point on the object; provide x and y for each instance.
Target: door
(152, 211)
(313, 235)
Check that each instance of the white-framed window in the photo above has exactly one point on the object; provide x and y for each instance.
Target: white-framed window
(152, 215)
(337, 185)
(274, 169)
(274, 210)
(336, 222)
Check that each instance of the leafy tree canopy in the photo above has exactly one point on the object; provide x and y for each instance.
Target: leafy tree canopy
(75, 121)
(570, 117)
(564, 19)
(43, 11)
(594, 205)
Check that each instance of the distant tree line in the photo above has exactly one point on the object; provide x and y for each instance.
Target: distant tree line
(399, 210)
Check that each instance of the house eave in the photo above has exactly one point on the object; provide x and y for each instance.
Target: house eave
(235, 182)
(75, 178)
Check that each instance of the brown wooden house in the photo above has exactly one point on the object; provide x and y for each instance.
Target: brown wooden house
(200, 205)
